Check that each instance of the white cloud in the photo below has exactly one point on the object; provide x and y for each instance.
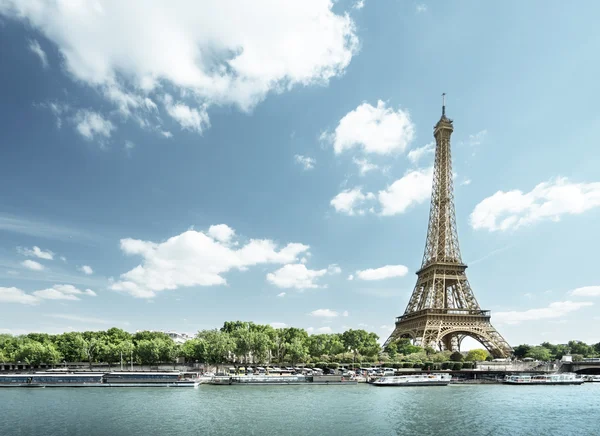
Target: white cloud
(466, 182)
(86, 269)
(351, 277)
(129, 145)
(32, 265)
(325, 313)
(359, 4)
(554, 310)
(417, 154)
(166, 134)
(36, 252)
(324, 329)
(295, 276)
(62, 292)
(63, 258)
(364, 166)
(90, 124)
(199, 50)
(586, 291)
(345, 313)
(348, 200)
(15, 295)
(385, 272)
(378, 130)
(547, 201)
(278, 325)
(56, 292)
(281, 294)
(413, 188)
(194, 258)
(310, 329)
(422, 7)
(34, 46)
(187, 117)
(221, 232)
(334, 269)
(308, 163)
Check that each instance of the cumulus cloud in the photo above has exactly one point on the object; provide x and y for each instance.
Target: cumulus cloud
(413, 188)
(62, 292)
(56, 292)
(384, 272)
(547, 201)
(36, 252)
(308, 163)
(86, 269)
(281, 294)
(15, 295)
(554, 310)
(324, 313)
(200, 51)
(91, 124)
(32, 265)
(349, 200)
(34, 46)
(221, 232)
(325, 329)
(378, 130)
(195, 258)
(364, 166)
(586, 291)
(278, 325)
(345, 313)
(421, 8)
(359, 4)
(295, 276)
(187, 117)
(415, 155)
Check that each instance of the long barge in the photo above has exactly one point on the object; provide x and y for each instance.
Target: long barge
(102, 380)
(252, 380)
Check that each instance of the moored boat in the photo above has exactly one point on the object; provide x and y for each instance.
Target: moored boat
(414, 380)
(43, 379)
(113, 379)
(592, 378)
(566, 378)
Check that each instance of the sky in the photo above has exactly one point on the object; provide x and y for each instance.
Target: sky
(172, 168)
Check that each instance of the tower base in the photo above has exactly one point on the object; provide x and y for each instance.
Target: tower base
(445, 329)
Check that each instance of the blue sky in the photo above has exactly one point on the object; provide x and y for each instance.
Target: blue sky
(208, 165)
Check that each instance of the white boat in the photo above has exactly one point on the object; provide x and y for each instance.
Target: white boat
(592, 378)
(414, 380)
(566, 378)
(148, 379)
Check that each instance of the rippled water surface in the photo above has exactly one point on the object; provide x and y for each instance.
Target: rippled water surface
(303, 410)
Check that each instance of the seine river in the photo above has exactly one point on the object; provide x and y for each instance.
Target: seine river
(303, 410)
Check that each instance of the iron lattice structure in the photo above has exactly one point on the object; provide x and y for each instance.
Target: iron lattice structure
(442, 310)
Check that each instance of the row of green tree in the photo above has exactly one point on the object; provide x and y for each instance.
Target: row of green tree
(547, 351)
(242, 343)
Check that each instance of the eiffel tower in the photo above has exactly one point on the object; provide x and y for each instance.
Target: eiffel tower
(442, 310)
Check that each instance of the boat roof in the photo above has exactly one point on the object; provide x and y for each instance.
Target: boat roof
(143, 373)
(38, 374)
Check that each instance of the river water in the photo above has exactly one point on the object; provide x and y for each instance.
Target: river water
(303, 410)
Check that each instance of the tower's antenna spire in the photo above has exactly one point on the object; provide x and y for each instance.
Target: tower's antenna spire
(444, 104)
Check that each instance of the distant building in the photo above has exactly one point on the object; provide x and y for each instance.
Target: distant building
(178, 338)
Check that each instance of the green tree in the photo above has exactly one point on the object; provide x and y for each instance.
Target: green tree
(148, 351)
(194, 350)
(456, 356)
(579, 347)
(296, 350)
(69, 345)
(539, 353)
(521, 351)
(476, 355)
(219, 346)
(405, 347)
